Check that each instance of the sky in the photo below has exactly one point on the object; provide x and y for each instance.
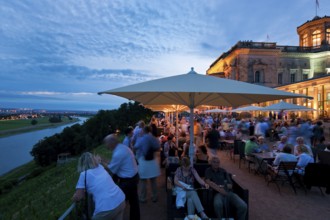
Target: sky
(58, 54)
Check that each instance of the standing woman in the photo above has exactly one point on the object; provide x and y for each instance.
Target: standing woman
(148, 166)
(109, 199)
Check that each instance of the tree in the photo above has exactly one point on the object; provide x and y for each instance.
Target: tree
(34, 122)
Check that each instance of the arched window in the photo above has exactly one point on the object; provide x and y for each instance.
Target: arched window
(316, 38)
(305, 40)
(327, 37)
(257, 77)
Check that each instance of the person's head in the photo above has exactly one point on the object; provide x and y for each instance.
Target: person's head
(300, 140)
(170, 137)
(185, 162)
(284, 139)
(111, 141)
(86, 161)
(141, 124)
(261, 140)
(253, 138)
(129, 131)
(287, 149)
(147, 129)
(215, 163)
(203, 149)
(213, 125)
(183, 134)
(302, 149)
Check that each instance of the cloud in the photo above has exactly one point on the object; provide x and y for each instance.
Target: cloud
(70, 49)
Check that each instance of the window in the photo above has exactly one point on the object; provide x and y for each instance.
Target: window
(304, 76)
(305, 40)
(257, 77)
(316, 38)
(327, 35)
(292, 77)
(279, 78)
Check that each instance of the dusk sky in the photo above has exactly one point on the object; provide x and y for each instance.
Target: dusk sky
(57, 54)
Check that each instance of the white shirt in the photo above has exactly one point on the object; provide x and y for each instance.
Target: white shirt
(123, 162)
(106, 194)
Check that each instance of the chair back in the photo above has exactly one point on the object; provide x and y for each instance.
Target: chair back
(236, 146)
(324, 157)
(241, 150)
(287, 167)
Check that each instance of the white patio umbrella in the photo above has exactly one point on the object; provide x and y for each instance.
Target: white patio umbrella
(247, 109)
(286, 106)
(193, 89)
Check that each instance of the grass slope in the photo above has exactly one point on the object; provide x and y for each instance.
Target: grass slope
(45, 196)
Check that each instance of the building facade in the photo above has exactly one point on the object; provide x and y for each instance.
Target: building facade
(303, 69)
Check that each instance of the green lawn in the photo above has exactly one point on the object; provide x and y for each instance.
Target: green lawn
(46, 196)
(21, 123)
(11, 127)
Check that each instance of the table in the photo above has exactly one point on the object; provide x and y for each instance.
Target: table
(261, 157)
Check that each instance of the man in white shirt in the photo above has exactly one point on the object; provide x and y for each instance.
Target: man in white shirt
(123, 165)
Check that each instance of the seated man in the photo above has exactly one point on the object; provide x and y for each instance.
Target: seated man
(280, 144)
(219, 180)
(285, 156)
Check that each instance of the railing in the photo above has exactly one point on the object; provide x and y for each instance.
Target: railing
(68, 211)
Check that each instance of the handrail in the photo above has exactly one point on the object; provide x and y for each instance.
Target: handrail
(67, 212)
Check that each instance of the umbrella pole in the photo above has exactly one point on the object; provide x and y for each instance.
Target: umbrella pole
(177, 127)
(191, 131)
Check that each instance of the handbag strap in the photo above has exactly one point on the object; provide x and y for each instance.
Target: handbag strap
(86, 196)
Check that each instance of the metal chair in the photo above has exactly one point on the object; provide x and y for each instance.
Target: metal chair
(283, 173)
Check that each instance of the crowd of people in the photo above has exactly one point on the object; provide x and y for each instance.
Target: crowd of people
(133, 163)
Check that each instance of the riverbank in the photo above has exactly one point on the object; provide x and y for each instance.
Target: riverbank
(27, 127)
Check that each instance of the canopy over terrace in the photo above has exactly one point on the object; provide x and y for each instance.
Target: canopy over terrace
(286, 106)
(193, 89)
(248, 109)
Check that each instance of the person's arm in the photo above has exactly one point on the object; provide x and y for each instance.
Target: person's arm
(219, 188)
(78, 195)
(199, 179)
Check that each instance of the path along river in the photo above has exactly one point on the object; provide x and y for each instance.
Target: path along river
(15, 149)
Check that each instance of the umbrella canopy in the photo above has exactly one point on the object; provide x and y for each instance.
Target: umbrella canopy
(216, 110)
(248, 109)
(167, 108)
(193, 89)
(286, 106)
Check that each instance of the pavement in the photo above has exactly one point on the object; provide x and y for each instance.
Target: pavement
(265, 202)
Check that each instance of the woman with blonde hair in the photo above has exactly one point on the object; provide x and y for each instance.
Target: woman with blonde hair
(109, 199)
(184, 179)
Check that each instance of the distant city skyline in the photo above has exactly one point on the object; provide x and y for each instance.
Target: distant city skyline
(57, 55)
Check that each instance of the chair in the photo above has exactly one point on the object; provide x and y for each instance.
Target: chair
(242, 156)
(235, 150)
(317, 174)
(324, 157)
(241, 152)
(284, 173)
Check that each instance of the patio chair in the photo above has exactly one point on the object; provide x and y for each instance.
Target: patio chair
(242, 156)
(283, 173)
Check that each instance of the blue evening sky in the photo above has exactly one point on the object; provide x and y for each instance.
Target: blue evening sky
(57, 54)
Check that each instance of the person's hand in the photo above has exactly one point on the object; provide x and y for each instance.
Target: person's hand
(206, 186)
(78, 195)
(229, 186)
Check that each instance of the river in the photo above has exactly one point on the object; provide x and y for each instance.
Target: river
(15, 149)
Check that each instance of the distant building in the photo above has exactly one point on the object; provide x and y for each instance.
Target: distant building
(303, 69)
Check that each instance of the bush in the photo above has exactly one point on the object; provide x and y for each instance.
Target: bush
(34, 122)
